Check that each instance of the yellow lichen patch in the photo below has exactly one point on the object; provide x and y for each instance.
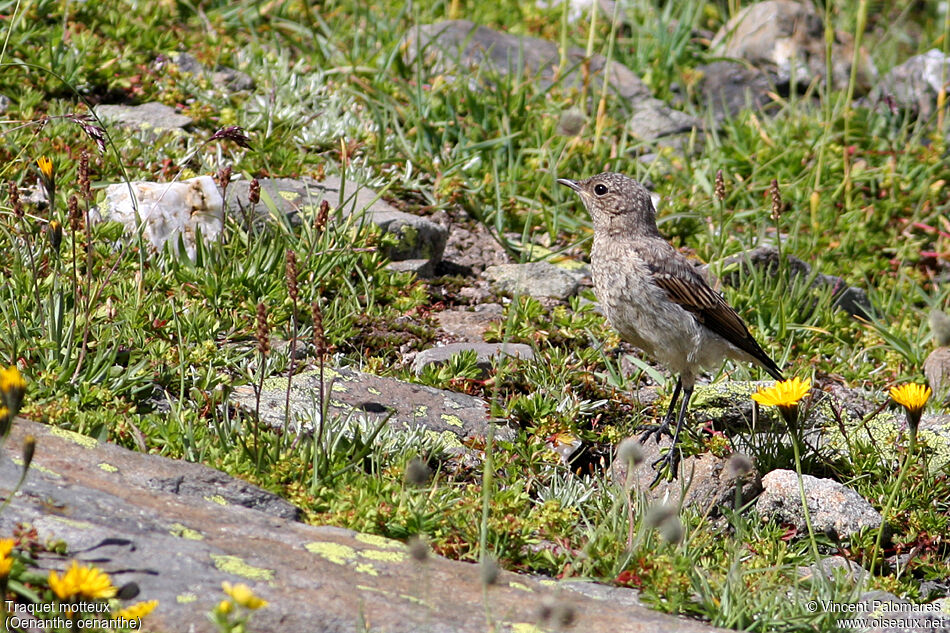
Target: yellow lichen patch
(547, 582)
(448, 438)
(452, 420)
(525, 627)
(35, 466)
(79, 525)
(518, 585)
(182, 531)
(186, 598)
(387, 557)
(109, 468)
(374, 391)
(221, 501)
(290, 196)
(366, 568)
(339, 388)
(421, 411)
(379, 541)
(237, 566)
(333, 552)
(72, 436)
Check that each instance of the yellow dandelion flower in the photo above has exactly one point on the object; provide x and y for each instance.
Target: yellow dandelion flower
(136, 611)
(81, 582)
(785, 393)
(6, 564)
(224, 607)
(12, 386)
(45, 164)
(911, 396)
(243, 595)
(6, 546)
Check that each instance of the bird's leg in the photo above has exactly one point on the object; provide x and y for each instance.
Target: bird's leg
(670, 461)
(659, 429)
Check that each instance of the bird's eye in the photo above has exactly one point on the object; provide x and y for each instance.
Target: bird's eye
(600, 189)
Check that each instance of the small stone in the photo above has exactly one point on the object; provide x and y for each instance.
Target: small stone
(537, 279)
(421, 268)
(831, 506)
(484, 354)
(469, 325)
(152, 115)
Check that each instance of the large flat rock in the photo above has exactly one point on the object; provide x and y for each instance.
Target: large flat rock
(357, 393)
(179, 543)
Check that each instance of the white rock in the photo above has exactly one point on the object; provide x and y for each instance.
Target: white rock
(167, 211)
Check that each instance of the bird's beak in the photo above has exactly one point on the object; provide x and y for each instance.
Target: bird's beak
(570, 183)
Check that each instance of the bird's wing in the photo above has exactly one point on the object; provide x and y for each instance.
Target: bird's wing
(686, 287)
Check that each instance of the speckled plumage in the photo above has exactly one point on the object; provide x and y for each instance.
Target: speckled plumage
(653, 296)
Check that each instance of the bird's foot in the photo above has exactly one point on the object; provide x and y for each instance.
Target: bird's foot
(667, 465)
(654, 430)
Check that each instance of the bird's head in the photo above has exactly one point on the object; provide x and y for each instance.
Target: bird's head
(616, 202)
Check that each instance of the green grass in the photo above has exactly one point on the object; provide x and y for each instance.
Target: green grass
(143, 349)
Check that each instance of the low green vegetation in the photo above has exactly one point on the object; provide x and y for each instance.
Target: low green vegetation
(144, 349)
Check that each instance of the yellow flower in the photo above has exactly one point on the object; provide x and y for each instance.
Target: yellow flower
(46, 166)
(224, 607)
(12, 386)
(6, 564)
(911, 396)
(785, 393)
(136, 611)
(83, 582)
(6, 546)
(243, 595)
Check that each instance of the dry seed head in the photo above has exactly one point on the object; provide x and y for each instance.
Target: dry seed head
(29, 448)
(263, 332)
(418, 549)
(720, 186)
(319, 341)
(291, 274)
(739, 465)
(254, 192)
(224, 176)
(490, 571)
(322, 215)
(15, 203)
(85, 186)
(630, 452)
(776, 199)
(417, 473)
(75, 215)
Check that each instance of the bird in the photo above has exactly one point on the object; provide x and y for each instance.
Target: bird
(657, 300)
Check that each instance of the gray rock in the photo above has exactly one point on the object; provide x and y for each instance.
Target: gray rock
(786, 39)
(915, 84)
(728, 87)
(831, 506)
(469, 325)
(373, 397)
(422, 268)
(707, 483)
(852, 300)
(654, 120)
(417, 237)
(460, 46)
(485, 354)
(152, 115)
(94, 498)
(222, 77)
(835, 566)
(473, 248)
(536, 279)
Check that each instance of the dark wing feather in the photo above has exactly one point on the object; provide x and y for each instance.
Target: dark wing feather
(686, 287)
